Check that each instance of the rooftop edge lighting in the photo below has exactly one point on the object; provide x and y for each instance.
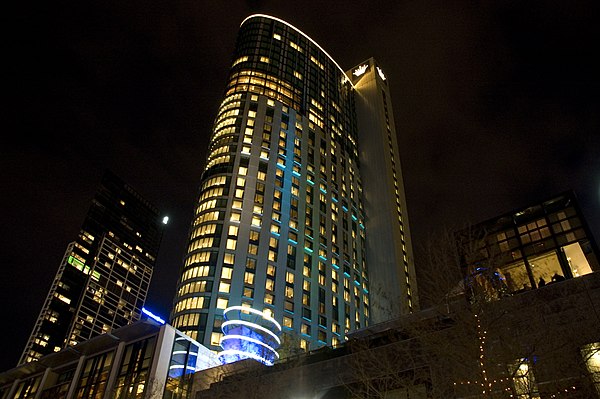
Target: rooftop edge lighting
(303, 34)
(153, 316)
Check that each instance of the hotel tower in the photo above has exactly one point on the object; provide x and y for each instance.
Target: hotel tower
(301, 212)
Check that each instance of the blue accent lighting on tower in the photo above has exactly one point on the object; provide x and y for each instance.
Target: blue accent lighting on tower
(249, 334)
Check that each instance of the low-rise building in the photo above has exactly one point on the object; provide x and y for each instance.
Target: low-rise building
(145, 359)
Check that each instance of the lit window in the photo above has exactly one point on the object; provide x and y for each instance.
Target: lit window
(62, 298)
(231, 243)
(229, 259)
(316, 62)
(289, 277)
(289, 291)
(222, 303)
(215, 338)
(241, 59)
(226, 272)
(270, 284)
(304, 344)
(275, 228)
(295, 46)
(224, 287)
(269, 299)
(305, 329)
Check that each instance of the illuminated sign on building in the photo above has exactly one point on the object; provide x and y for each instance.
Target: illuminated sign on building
(360, 70)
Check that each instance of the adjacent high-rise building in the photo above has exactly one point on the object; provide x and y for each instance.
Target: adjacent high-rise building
(104, 276)
(301, 212)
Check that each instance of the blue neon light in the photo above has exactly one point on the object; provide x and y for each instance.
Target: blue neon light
(153, 316)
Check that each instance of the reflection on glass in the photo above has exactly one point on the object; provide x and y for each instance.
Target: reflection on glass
(516, 276)
(546, 268)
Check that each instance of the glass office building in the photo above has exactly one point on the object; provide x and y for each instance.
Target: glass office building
(301, 212)
(104, 276)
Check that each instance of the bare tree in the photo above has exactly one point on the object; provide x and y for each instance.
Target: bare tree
(476, 340)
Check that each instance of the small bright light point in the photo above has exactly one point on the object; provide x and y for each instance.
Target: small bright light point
(165, 220)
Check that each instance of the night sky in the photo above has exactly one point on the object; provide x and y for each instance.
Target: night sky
(496, 106)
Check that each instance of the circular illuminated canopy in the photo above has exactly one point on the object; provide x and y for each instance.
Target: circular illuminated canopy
(249, 334)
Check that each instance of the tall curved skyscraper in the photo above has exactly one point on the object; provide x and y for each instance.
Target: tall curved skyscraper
(301, 210)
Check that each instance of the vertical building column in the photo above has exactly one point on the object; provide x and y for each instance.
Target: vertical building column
(161, 361)
(43, 382)
(76, 377)
(114, 371)
(13, 389)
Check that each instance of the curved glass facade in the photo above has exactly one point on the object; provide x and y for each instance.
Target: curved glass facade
(279, 224)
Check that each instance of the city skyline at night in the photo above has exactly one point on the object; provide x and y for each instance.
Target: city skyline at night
(495, 108)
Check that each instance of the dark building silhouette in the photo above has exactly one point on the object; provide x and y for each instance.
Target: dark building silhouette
(104, 276)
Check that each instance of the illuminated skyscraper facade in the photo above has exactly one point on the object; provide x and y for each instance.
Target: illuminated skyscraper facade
(301, 208)
(104, 276)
